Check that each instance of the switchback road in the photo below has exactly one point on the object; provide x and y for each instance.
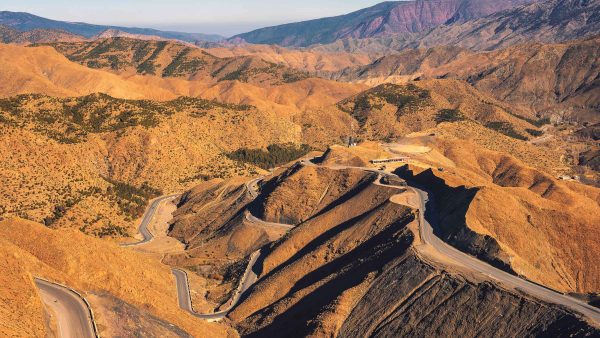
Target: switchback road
(148, 215)
(472, 263)
(183, 290)
(428, 237)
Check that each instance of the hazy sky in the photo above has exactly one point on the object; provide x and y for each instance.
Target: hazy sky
(226, 17)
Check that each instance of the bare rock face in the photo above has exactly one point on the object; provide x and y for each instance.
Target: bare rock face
(380, 20)
(412, 299)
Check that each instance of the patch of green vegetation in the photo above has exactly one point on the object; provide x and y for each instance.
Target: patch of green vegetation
(110, 230)
(70, 120)
(505, 128)
(61, 209)
(534, 132)
(131, 200)
(448, 115)
(148, 66)
(406, 99)
(182, 65)
(274, 155)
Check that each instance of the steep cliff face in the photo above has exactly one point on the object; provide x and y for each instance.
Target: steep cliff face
(380, 20)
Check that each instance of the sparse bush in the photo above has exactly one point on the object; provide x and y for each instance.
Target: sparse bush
(449, 115)
(505, 128)
(534, 132)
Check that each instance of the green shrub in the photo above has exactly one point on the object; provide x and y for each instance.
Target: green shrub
(505, 128)
(274, 155)
(534, 132)
(449, 115)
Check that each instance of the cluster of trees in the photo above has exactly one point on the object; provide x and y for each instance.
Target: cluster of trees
(505, 128)
(131, 200)
(274, 155)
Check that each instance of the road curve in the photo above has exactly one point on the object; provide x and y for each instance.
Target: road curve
(248, 279)
(73, 316)
(474, 264)
(427, 236)
(148, 215)
(507, 279)
(183, 290)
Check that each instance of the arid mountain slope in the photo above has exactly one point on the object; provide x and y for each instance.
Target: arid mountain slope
(550, 21)
(72, 157)
(101, 271)
(353, 253)
(43, 70)
(503, 211)
(303, 59)
(173, 59)
(389, 111)
(383, 19)
(546, 79)
(11, 35)
(547, 21)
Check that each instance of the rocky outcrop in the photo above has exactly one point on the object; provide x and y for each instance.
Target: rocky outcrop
(415, 299)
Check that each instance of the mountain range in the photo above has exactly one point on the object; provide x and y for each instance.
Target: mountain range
(26, 22)
(421, 168)
(384, 19)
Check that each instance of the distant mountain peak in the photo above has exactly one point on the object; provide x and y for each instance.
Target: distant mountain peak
(383, 19)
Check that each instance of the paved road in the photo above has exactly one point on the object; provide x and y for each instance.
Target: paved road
(143, 228)
(475, 265)
(254, 219)
(429, 238)
(73, 316)
(248, 279)
(183, 290)
(472, 263)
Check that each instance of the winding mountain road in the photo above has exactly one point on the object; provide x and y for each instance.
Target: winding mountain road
(72, 314)
(148, 215)
(427, 235)
(184, 298)
(472, 263)
(505, 278)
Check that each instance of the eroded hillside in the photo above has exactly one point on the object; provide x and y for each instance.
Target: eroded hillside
(355, 253)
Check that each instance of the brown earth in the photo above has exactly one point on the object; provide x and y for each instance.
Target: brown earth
(174, 59)
(303, 59)
(350, 264)
(43, 70)
(389, 111)
(90, 266)
(80, 163)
